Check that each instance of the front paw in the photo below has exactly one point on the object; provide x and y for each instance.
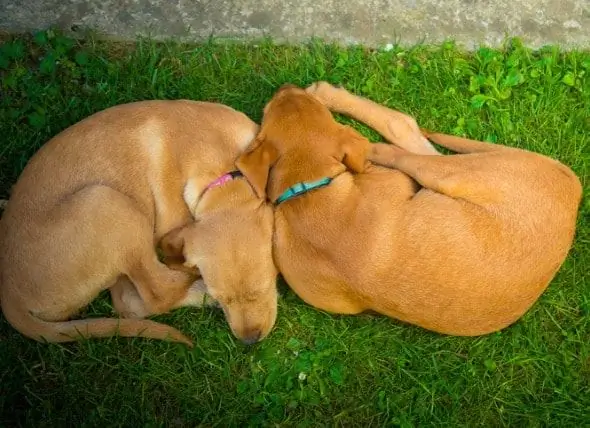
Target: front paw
(326, 93)
(197, 296)
(385, 154)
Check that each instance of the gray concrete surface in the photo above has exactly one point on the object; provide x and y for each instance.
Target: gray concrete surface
(370, 22)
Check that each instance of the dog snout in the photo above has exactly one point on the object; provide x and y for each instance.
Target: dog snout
(252, 338)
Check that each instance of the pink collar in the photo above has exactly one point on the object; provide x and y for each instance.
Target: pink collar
(220, 181)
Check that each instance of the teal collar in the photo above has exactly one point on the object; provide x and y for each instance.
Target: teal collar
(301, 188)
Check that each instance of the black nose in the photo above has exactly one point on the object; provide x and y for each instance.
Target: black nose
(252, 338)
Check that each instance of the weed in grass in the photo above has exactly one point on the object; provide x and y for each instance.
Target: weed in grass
(315, 369)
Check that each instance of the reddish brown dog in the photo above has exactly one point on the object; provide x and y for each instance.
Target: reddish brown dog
(461, 244)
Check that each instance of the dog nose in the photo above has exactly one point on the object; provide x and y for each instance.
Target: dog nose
(252, 338)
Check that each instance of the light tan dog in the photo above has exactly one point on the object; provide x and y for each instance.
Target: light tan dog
(90, 206)
(461, 244)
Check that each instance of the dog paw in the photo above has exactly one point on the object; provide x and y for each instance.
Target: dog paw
(384, 154)
(206, 299)
(131, 306)
(325, 92)
(197, 296)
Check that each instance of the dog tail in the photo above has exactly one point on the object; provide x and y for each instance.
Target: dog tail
(68, 331)
(460, 144)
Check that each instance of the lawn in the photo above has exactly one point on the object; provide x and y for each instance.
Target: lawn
(314, 369)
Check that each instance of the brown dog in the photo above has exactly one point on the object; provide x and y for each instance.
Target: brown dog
(90, 205)
(460, 244)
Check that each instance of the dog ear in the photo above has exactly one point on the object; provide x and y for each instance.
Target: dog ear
(172, 245)
(176, 248)
(355, 150)
(256, 162)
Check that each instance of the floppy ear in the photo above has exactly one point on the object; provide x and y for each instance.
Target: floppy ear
(255, 164)
(172, 244)
(173, 247)
(355, 150)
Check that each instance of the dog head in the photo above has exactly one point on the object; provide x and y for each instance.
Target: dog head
(231, 246)
(299, 132)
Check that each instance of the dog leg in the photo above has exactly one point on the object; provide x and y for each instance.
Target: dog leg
(197, 296)
(112, 238)
(396, 127)
(126, 300)
(457, 176)
(128, 303)
(159, 287)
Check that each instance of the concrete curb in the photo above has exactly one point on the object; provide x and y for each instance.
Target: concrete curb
(369, 22)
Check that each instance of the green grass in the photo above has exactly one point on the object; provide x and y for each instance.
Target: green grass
(314, 369)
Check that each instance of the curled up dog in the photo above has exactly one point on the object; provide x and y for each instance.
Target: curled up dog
(461, 244)
(91, 205)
